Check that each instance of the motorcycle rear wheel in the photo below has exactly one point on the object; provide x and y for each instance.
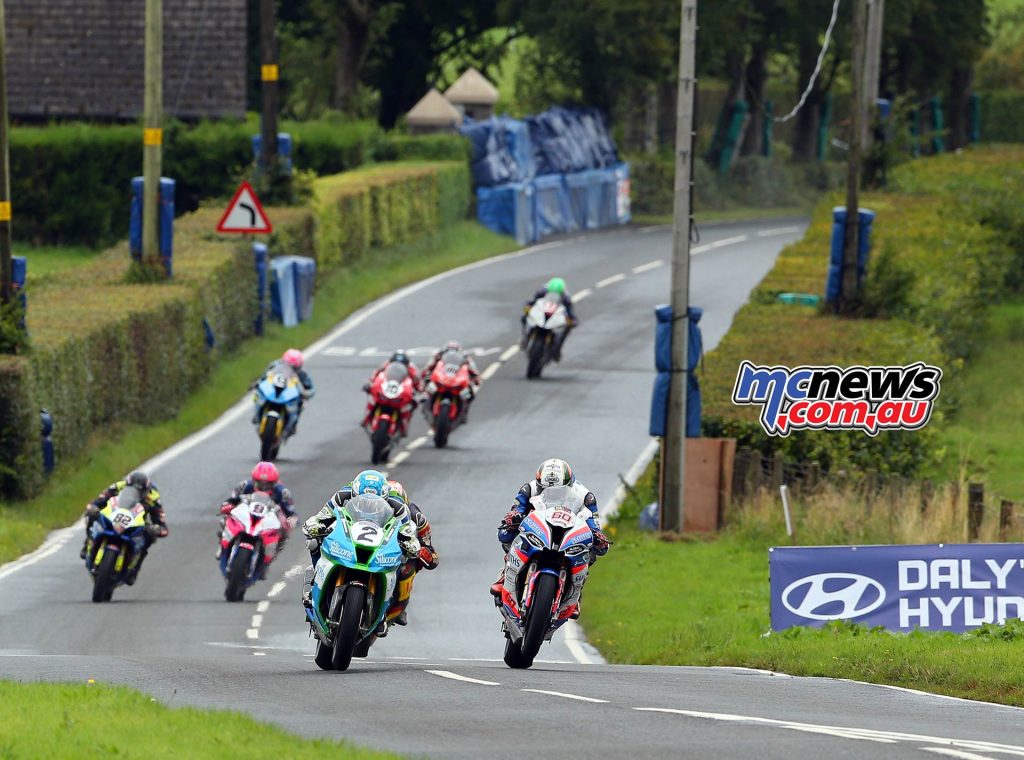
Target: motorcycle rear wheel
(268, 441)
(442, 427)
(535, 362)
(380, 441)
(103, 584)
(238, 575)
(538, 618)
(348, 626)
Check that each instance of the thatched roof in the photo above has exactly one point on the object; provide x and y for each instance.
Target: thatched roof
(473, 88)
(433, 110)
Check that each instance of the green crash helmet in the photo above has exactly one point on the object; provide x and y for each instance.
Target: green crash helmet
(556, 285)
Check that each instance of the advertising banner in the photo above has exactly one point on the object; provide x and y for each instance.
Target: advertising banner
(941, 587)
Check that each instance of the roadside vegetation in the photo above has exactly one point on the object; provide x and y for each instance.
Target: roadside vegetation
(75, 720)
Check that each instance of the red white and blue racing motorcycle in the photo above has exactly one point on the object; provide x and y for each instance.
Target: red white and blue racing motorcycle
(545, 571)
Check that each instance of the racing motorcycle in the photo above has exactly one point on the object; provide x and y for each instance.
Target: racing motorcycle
(448, 391)
(546, 323)
(116, 541)
(277, 397)
(252, 535)
(354, 580)
(545, 571)
(392, 393)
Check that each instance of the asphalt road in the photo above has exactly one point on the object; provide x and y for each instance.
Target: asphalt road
(174, 636)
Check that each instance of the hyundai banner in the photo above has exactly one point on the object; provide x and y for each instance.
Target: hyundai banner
(944, 587)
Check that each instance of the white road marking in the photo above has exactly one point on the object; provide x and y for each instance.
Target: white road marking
(846, 732)
(53, 544)
(578, 647)
(276, 589)
(263, 606)
(457, 677)
(259, 654)
(730, 241)
(294, 571)
(252, 633)
(567, 696)
(955, 753)
(415, 444)
(339, 351)
(509, 352)
(611, 280)
(610, 507)
(399, 458)
(488, 373)
(257, 620)
(581, 295)
(778, 231)
(648, 266)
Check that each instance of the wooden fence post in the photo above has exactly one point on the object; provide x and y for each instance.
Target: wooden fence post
(778, 469)
(741, 473)
(975, 509)
(813, 476)
(1005, 519)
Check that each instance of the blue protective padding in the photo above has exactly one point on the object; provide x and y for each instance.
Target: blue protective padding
(517, 140)
(166, 220)
(865, 217)
(551, 206)
(622, 194)
(305, 283)
(663, 362)
(284, 149)
(19, 271)
(595, 192)
(663, 337)
(282, 291)
(566, 141)
(607, 213)
(259, 257)
(576, 195)
(508, 210)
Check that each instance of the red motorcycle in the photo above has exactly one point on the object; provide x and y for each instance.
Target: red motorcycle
(449, 394)
(252, 536)
(392, 395)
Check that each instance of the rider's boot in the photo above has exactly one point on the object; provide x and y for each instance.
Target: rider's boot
(307, 588)
(133, 574)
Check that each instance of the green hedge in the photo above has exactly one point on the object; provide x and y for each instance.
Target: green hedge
(943, 249)
(104, 351)
(1002, 117)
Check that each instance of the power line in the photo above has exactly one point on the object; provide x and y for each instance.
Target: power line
(817, 66)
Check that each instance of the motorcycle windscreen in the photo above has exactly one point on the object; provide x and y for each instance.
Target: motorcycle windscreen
(560, 497)
(396, 372)
(128, 497)
(369, 508)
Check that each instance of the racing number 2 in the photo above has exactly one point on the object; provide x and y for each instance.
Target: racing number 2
(367, 533)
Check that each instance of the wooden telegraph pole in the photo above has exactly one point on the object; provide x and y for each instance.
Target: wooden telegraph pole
(850, 239)
(268, 88)
(152, 139)
(674, 446)
(6, 264)
(872, 69)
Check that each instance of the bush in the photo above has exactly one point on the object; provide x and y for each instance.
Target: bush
(441, 147)
(1002, 116)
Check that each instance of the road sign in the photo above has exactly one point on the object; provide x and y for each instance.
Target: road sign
(244, 213)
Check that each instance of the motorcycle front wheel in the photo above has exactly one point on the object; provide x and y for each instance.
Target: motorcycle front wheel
(535, 358)
(442, 427)
(538, 618)
(348, 627)
(379, 441)
(238, 575)
(268, 440)
(103, 584)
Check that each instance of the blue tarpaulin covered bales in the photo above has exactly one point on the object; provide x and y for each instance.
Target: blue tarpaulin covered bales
(547, 174)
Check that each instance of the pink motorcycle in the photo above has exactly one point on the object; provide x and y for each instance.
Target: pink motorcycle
(253, 532)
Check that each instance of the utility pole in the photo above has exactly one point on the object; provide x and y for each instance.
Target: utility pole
(673, 460)
(850, 239)
(872, 68)
(6, 264)
(268, 88)
(153, 134)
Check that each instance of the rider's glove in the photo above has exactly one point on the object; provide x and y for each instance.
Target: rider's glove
(226, 507)
(156, 531)
(366, 387)
(427, 558)
(91, 509)
(601, 543)
(511, 520)
(316, 530)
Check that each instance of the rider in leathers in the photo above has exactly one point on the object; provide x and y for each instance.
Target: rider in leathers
(427, 558)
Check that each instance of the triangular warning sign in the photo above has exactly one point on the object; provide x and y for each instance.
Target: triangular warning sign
(244, 213)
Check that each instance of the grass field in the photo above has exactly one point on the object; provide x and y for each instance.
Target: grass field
(23, 525)
(732, 215)
(91, 720)
(46, 261)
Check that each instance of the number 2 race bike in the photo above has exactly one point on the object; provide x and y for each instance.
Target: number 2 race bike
(252, 535)
(354, 580)
(545, 571)
(277, 398)
(116, 541)
(393, 396)
(546, 323)
(449, 393)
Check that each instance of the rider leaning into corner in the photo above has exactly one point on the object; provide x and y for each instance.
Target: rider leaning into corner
(266, 478)
(556, 287)
(552, 472)
(426, 559)
(293, 359)
(156, 526)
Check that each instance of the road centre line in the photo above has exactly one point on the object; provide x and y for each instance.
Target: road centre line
(582, 294)
(415, 444)
(611, 280)
(457, 677)
(509, 352)
(567, 696)
(252, 633)
(257, 620)
(399, 458)
(488, 373)
(263, 606)
(294, 571)
(276, 589)
(846, 732)
(648, 266)
(730, 241)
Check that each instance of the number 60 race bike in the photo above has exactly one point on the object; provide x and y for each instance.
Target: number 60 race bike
(354, 580)
(546, 323)
(249, 542)
(115, 543)
(544, 574)
(277, 399)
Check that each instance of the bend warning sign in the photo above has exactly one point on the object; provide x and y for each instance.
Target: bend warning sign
(244, 213)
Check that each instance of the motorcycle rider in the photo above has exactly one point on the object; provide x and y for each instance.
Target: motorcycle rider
(264, 477)
(156, 526)
(400, 357)
(555, 286)
(294, 360)
(467, 361)
(552, 472)
(319, 525)
(426, 559)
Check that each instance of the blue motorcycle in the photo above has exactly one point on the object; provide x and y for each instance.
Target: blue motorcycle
(115, 543)
(277, 400)
(355, 579)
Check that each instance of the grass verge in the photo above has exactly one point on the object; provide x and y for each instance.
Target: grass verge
(751, 214)
(653, 601)
(72, 720)
(46, 261)
(113, 452)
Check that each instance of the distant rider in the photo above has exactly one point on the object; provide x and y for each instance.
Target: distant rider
(150, 499)
(265, 478)
(426, 559)
(467, 361)
(294, 360)
(319, 525)
(399, 356)
(552, 472)
(555, 286)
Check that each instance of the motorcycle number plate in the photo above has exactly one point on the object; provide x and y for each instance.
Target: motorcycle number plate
(392, 389)
(123, 519)
(258, 509)
(562, 518)
(367, 534)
